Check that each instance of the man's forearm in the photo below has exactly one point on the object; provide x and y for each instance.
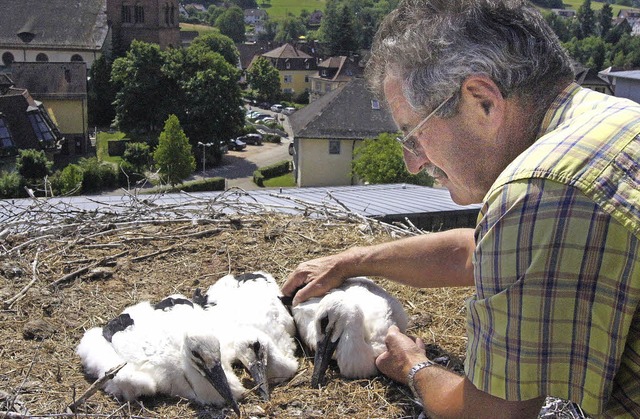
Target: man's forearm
(430, 260)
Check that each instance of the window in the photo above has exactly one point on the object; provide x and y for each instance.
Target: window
(166, 14)
(306, 65)
(306, 79)
(172, 15)
(126, 14)
(375, 104)
(138, 12)
(334, 146)
(77, 58)
(42, 130)
(323, 73)
(6, 142)
(42, 58)
(7, 58)
(287, 90)
(287, 65)
(288, 78)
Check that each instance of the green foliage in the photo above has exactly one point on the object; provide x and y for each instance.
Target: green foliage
(231, 23)
(590, 51)
(11, 185)
(101, 93)
(137, 157)
(283, 181)
(337, 29)
(145, 94)
(222, 44)
(264, 78)
(33, 165)
(586, 20)
(379, 160)
(268, 172)
(290, 29)
(97, 176)
(173, 155)
(69, 181)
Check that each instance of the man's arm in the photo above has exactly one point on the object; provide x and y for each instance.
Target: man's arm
(443, 393)
(430, 260)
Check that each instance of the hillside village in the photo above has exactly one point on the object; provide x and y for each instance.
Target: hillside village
(44, 94)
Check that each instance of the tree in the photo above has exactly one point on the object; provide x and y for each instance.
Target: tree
(605, 19)
(592, 52)
(33, 165)
(265, 79)
(173, 156)
(145, 94)
(231, 23)
(70, 180)
(138, 156)
(290, 29)
(586, 19)
(101, 93)
(337, 29)
(222, 44)
(379, 160)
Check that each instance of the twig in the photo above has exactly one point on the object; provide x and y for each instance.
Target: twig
(150, 255)
(34, 268)
(72, 275)
(95, 387)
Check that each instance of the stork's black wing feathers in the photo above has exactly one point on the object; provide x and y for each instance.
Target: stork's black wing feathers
(170, 302)
(249, 277)
(116, 325)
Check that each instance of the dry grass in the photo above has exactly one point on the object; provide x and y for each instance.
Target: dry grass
(102, 263)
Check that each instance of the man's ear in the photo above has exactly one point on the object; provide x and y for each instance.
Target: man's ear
(481, 92)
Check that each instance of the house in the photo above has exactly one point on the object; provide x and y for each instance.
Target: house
(632, 15)
(253, 16)
(62, 89)
(333, 72)
(53, 30)
(315, 18)
(564, 13)
(589, 78)
(625, 83)
(24, 124)
(328, 131)
(295, 67)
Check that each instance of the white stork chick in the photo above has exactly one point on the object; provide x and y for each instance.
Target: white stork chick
(261, 328)
(348, 324)
(169, 349)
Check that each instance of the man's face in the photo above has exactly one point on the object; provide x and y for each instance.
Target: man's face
(459, 151)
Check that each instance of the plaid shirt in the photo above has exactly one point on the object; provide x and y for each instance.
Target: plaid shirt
(557, 263)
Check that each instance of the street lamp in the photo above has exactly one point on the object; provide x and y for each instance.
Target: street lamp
(204, 155)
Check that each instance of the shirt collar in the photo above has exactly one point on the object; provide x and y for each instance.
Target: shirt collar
(556, 112)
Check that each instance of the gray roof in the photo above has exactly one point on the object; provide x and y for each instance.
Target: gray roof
(54, 23)
(388, 202)
(344, 113)
(51, 80)
(631, 74)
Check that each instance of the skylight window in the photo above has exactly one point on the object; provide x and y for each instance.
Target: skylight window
(6, 142)
(42, 130)
(375, 104)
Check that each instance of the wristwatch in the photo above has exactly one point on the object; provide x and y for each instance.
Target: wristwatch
(412, 374)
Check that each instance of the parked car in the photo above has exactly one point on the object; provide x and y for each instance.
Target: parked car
(276, 108)
(261, 116)
(236, 144)
(288, 110)
(264, 105)
(255, 139)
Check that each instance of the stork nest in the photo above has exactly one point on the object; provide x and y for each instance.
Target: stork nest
(65, 269)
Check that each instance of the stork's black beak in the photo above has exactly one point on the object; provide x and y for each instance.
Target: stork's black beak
(258, 371)
(324, 352)
(218, 380)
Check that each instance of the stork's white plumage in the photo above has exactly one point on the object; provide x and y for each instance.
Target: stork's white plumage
(169, 349)
(349, 324)
(258, 324)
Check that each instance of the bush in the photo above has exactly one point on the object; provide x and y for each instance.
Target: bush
(33, 164)
(272, 138)
(97, 176)
(138, 156)
(128, 174)
(269, 172)
(11, 185)
(69, 181)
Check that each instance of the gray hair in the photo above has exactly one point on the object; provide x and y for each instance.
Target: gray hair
(434, 45)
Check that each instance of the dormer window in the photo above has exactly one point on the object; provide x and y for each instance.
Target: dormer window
(287, 65)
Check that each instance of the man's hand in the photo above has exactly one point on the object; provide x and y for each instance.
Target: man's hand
(402, 353)
(313, 278)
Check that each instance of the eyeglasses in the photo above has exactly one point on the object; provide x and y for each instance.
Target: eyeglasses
(409, 142)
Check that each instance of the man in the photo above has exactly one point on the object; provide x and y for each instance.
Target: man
(486, 95)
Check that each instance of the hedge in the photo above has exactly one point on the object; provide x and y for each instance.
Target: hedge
(267, 172)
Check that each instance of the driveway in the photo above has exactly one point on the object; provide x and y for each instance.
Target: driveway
(238, 166)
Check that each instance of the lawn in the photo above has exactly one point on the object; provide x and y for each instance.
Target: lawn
(280, 8)
(102, 146)
(201, 29)
(284, 181)
(575, 5)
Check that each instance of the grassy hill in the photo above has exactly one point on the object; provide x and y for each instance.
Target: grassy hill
(201, 29)
(575, 5)
(280, 8)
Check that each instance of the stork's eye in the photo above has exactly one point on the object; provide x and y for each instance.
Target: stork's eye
(196, 355)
